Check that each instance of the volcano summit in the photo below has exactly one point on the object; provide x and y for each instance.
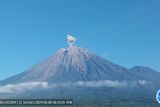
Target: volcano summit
(72, 64)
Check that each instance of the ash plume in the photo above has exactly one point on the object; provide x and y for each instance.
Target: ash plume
(70, 40)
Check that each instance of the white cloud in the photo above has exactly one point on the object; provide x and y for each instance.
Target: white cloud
(142, 82)
(15, 88)
(104, 83)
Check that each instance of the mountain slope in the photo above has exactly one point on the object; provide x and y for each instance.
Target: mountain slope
(70, 65)
(145, 73)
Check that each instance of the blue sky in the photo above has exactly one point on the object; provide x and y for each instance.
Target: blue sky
(126, 32)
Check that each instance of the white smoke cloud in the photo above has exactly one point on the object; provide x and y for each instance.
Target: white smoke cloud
(16, 88)
(70, 40)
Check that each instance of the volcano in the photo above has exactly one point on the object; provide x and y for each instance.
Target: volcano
(71, 65)
(79, 74)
